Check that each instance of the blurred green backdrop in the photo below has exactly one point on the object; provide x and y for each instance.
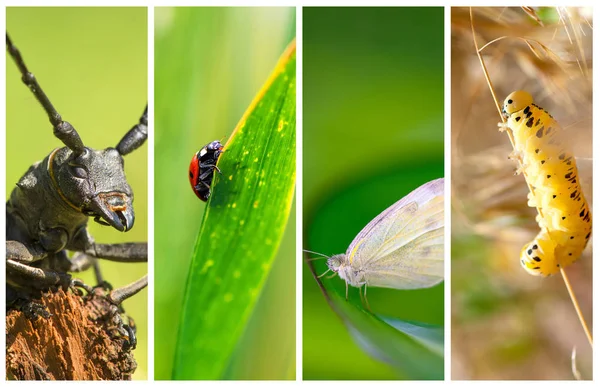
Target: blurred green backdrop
(92, 63)
(209, 65)
(373, 124)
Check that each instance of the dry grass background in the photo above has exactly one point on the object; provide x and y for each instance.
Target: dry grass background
(507, 324)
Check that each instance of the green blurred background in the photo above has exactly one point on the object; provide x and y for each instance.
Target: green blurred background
(373, 124)
(209, 65)
(92, 63)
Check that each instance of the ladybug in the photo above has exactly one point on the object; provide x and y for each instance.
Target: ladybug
(202, 168)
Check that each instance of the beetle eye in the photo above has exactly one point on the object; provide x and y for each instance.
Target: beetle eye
(79, 172)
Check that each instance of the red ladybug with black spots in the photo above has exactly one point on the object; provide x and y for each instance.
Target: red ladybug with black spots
(202, 168)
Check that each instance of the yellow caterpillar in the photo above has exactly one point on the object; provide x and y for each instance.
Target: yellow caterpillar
(550, 169)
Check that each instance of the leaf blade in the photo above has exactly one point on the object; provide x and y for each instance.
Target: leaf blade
(242, 228)
(414, 350)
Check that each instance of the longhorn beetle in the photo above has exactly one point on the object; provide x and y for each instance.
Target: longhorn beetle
(48, 210)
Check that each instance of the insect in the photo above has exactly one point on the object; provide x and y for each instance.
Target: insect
(48, 211)
(551, 171)
(202, 168)
(402, 248)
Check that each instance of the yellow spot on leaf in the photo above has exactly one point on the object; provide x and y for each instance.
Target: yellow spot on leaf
(280, 125)
(236, 274)
(207, 265)
(255, 204)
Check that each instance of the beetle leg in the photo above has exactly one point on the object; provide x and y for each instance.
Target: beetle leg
(43, 278)
(31, 309)
(117, 296)
(119, 252)
(122, 329)
(204, 185)
(132, 343)
(81, 262)
(20, 252)
(47, 278)
(213, 166)
(77, 284)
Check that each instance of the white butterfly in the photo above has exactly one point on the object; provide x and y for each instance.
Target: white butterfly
(402, 248)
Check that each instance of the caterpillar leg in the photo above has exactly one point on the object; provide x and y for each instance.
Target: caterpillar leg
(531, 200)
(516, 155)
(520, 169)
(502, 126)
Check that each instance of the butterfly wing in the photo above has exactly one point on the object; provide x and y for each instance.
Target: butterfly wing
(403, 247)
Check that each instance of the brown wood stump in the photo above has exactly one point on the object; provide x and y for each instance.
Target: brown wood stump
(75, 343)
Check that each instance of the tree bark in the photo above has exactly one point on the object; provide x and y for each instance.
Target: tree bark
(75, 343)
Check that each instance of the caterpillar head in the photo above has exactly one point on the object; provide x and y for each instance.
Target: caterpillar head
(516, 101)
(538, 256)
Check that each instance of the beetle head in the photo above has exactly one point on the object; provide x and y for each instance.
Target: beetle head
(93, 182)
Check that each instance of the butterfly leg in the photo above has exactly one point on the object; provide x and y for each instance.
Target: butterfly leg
(367, 300)
(346, 291)
(363, 298)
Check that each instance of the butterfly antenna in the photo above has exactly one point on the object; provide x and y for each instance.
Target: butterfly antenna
(314, 259)
(314, 252)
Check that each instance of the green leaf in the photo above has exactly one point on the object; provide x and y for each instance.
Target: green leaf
(414, 349)
(242, 228)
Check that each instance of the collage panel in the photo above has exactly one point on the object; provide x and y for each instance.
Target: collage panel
(521, 217)
(373, 160)
(371, 237)
(225, 110)
(70, 188)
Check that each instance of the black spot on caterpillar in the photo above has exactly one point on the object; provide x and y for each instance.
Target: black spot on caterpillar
(566, 221)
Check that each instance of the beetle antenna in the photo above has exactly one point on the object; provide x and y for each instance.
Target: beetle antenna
(135, 137)
(63, 130)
